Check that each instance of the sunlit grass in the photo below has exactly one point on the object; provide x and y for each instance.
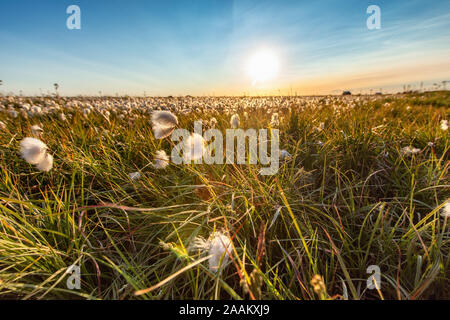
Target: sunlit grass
(349, 199)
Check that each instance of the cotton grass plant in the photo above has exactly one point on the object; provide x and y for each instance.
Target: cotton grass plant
(346, 198)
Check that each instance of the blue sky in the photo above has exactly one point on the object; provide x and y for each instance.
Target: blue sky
(203, 47)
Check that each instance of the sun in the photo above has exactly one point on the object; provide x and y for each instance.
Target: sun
(263, 66)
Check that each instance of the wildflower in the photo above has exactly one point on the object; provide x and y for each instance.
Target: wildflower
(409, 150)
(218, 245)
(161, 160)
(194, 147)
(134, 176)
(444, 125)
(234, 121)
(430, 144)
(163, 123)
(62, 117)
(446, 210)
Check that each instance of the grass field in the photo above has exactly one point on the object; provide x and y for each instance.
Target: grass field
(350, 196)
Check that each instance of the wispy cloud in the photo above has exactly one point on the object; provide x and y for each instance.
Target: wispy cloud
(203, 47)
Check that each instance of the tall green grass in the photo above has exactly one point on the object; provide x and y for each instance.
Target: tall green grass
(349, 199)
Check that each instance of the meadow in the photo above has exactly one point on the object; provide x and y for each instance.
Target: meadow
(364, 182)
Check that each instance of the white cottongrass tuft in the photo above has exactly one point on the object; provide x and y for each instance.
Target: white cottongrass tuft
(212, 122)
(86, 112)
(134, 176)
(46, 163)
(161, 160)
(62, 117)
(194, 147)
(218, 246)
(2, 125)
(444, 125)
(35, 110)
(409, 150)
(163, 123)
(13, 113)
(234, 122)
(446, 210)
(34, 151)
(36, 130)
